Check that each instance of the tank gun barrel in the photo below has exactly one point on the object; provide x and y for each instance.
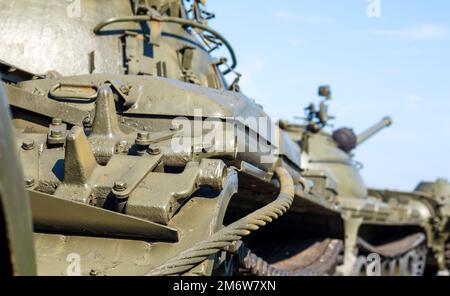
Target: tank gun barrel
(371, 131)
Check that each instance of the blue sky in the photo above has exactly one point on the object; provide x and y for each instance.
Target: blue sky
(397, 65)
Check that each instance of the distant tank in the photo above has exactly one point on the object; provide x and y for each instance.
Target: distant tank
(439, 191)
(400, 227)
(139, 158)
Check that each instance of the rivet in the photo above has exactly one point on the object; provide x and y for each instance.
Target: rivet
(143, 138)
(29, 182)
(154, 149)
(125, 89)
(143, 135)
(56, 133)
(87, 120)
(175, 127)
(120, 186)
(28, 144)
(56, 121)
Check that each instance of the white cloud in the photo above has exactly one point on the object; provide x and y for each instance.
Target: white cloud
(446, 130)
(295, 42)
(284, 16)
(445, 125)
(291, 17)
(421, 32)
(414, 99)
(315, 20)
(414, 103)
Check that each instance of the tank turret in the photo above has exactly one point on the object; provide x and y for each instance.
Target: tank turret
(347, 140)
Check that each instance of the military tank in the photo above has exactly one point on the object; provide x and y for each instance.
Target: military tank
(139, 158)
(405, 230)
(439, 192)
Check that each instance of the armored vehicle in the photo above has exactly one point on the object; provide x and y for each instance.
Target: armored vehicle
(140, 158)
(439, 192)
(405, 231)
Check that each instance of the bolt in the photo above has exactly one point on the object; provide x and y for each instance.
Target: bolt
(143, 135)
(207, 148)
(125, 89)
(56, 133)
(140, 152)
(120, 186)
(71, 137)
(154, 149)
(87, 120)
(29, 182)
(56, 121)
(92, 200)
(175, 127)
(122, 147)
(28, 144)
(143, 138)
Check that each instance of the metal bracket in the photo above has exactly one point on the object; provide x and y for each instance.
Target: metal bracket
(159, 195)
(136, 62)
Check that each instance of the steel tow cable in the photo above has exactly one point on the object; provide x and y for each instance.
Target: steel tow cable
(191, 257)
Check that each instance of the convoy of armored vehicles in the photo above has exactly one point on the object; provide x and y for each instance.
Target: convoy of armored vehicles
(129, 153)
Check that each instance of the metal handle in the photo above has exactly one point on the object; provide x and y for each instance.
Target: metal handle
(166, 19)
(77, 91)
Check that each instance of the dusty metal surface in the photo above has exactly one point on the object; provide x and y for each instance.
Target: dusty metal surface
(69, 33)
(17, 255)
(56, 214)
(233, 232)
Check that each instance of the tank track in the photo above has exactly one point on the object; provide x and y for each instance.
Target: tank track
(447, 255)
(320, 259)
(404, 257)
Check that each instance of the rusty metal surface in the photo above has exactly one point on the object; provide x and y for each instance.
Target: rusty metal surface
(447, 255)
(394, 248)
(410, 263)
(318, 260)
